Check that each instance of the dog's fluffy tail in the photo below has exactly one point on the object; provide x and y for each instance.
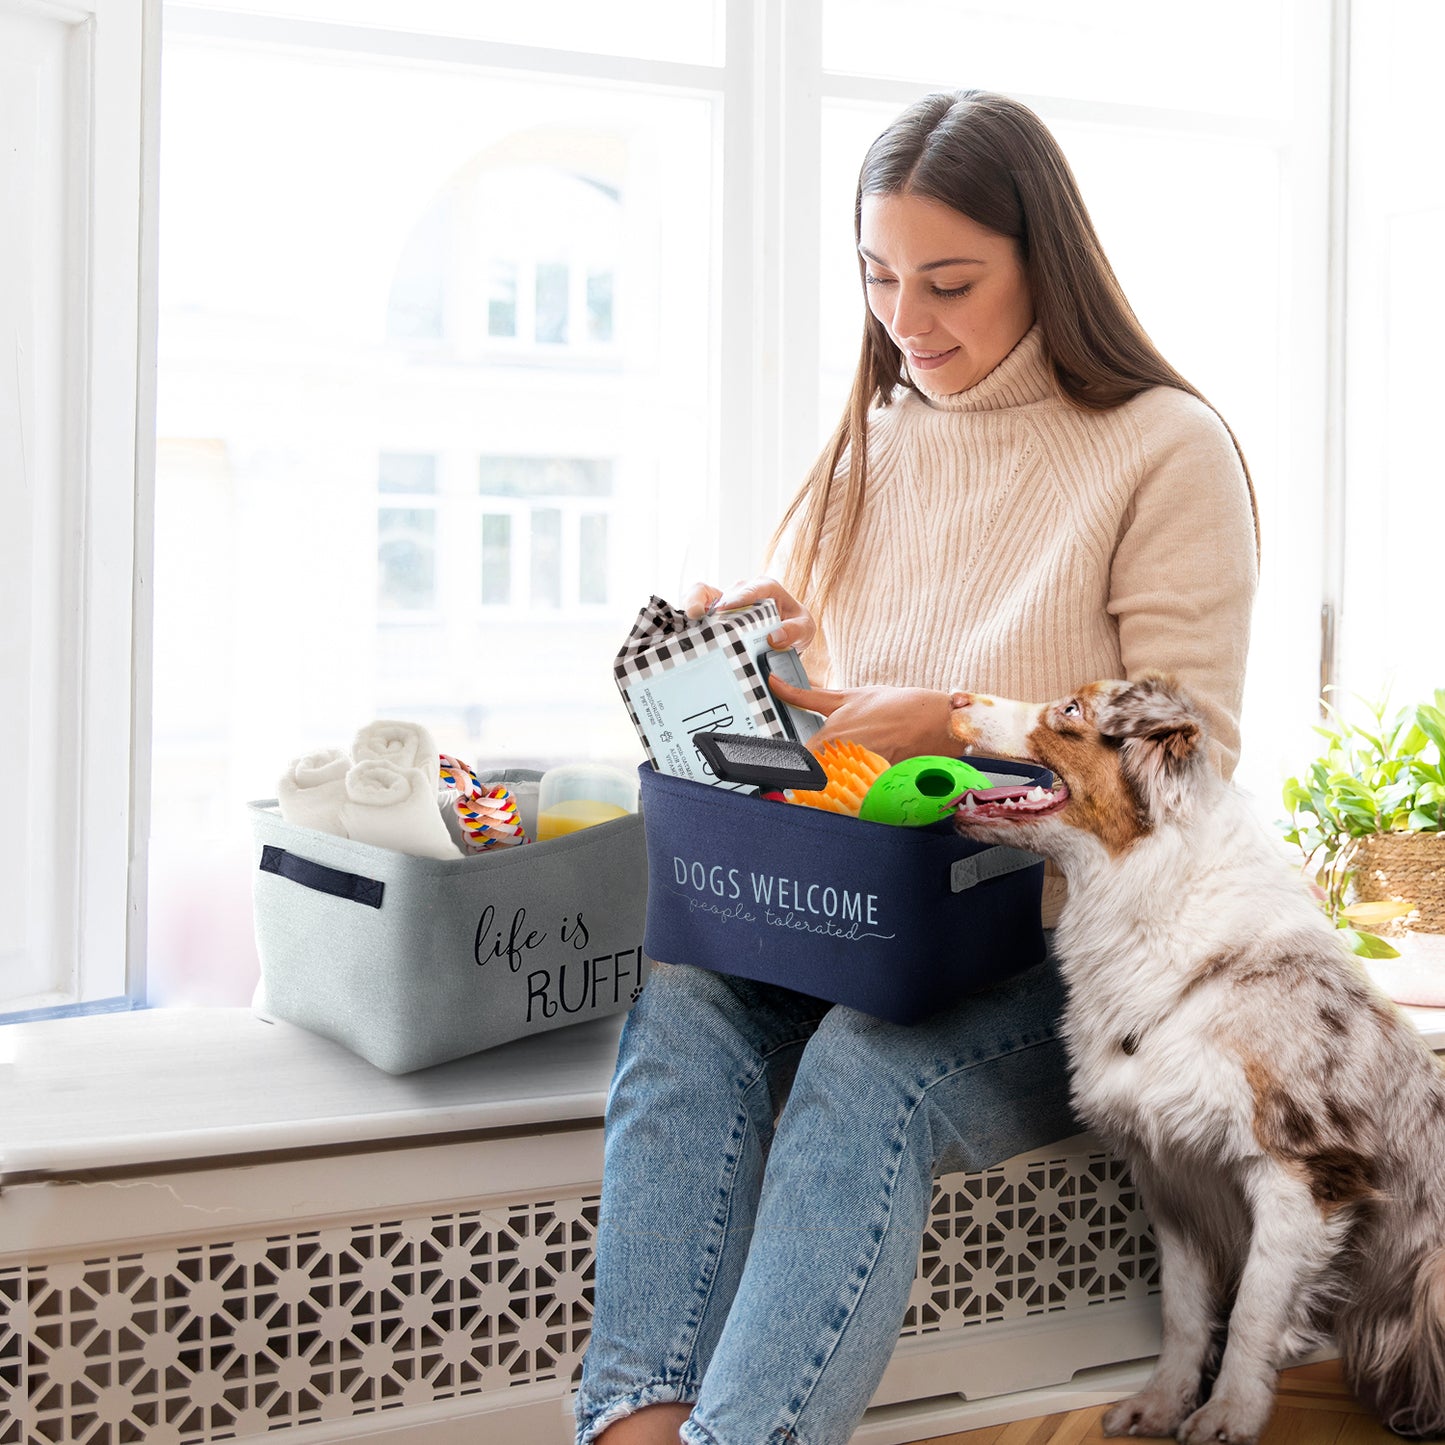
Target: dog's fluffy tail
(1392, 1343)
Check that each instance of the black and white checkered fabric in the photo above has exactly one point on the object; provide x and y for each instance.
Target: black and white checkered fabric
(664, 637)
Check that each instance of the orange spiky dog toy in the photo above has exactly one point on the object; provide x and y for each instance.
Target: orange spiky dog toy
(852, 769)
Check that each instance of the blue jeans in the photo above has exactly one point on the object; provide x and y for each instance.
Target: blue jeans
(768, 1175)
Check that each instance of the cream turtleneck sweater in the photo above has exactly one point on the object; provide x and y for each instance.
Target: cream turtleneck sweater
(1015, 544)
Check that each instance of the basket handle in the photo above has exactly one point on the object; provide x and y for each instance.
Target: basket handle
(991, 863)
(300, 870)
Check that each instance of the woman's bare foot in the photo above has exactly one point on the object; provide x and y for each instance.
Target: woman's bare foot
(651, 1425)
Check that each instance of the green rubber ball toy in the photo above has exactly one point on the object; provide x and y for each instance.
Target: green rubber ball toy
(917, 791)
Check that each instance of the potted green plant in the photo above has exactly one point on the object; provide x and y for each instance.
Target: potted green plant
(1368, 814)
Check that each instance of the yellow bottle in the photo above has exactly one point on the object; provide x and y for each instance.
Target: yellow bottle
(574, 815)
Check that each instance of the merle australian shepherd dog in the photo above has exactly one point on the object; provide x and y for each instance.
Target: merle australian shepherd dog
(1284, 1124)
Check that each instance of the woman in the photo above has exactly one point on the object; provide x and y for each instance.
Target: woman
(1022, 496)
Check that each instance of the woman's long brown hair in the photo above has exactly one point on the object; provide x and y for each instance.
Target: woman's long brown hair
(994, 161)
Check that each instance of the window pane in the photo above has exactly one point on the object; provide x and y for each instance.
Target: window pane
(406, 472)
(282, 249)
(546, 557)
(552, 286)
(502, 303)
(1391, 633)
(599, 306)
(545, 477)
(1228, 58)
(496, 561)
(592, 566)
(406, 559)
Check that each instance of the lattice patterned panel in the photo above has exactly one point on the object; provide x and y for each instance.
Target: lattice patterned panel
(1031, 1237)
(236, 1338)
(12, 1357)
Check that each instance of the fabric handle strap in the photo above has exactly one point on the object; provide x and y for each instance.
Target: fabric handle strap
(991, 863)
(351, 886)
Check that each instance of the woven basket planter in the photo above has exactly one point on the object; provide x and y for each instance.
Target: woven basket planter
(1404, 867)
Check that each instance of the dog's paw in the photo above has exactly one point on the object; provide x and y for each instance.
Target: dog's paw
(1224, 1422)
(1155, 1414)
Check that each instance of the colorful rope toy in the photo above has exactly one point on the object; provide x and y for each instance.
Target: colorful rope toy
(488, 813)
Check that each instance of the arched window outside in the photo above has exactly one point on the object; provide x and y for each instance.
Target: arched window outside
(519, 255)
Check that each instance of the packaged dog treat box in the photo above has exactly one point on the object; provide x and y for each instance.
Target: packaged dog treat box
(896, 922)
(411, 961)
(680, 676)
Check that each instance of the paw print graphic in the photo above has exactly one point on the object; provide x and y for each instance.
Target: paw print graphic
(637, 993)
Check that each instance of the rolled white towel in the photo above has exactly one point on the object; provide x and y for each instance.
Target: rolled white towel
(313, 789)
(408, 745)
(396, 808)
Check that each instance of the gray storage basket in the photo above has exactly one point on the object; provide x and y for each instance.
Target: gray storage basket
(410, 961)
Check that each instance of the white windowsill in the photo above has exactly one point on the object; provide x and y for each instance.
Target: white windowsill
(166, 1086)
(157, 1087)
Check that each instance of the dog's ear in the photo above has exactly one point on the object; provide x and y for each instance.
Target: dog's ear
(1161, 736)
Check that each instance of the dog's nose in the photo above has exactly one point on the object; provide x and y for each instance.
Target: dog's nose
(960, 699)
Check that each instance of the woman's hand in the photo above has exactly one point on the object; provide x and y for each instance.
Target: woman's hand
(796, 628)
(895, 722)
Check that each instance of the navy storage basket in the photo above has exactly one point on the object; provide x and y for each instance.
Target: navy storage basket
(895, 922)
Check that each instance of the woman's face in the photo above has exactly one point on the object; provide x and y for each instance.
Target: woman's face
(952, 294)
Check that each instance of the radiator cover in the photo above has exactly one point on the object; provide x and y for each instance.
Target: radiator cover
(246, 1334)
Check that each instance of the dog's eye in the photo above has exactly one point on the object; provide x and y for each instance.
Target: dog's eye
(1071, 709)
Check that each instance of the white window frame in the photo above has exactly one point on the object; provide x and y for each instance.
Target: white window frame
(93, 639)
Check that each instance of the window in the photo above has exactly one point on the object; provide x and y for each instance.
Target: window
(542, 542)
(478, 326)
(514, 253)
(406, 559)
(1202, 153)
(407, 534)
(552, 298)
(556, 519)
(502, 300)
(496, 559)
(414, 351)
(491, 321)
(599, 306)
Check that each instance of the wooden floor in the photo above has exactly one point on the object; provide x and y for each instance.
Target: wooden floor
(1313, 1408)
